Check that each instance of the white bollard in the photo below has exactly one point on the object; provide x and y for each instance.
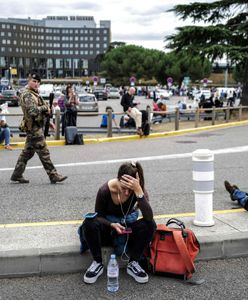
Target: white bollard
(203, 178)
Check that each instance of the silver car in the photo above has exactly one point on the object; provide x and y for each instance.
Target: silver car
(87, 102)
(113, 93)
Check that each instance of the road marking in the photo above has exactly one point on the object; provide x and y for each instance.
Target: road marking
(78, 222)
(144, 158)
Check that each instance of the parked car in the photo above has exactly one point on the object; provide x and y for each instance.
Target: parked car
(160, 92)
(10, 97)
(199, 93)
(113, 93)
(87, 103)
(101, 94)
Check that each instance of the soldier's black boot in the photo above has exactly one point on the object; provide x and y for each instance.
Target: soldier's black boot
(19, 179)
(57, 178)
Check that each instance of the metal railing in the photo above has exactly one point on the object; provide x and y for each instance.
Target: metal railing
(212, 114)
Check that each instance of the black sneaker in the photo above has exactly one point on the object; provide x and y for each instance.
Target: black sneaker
(93, 272)
(135, 270)
(229, 188)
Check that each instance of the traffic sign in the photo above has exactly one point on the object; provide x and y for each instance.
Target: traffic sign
(132, 79)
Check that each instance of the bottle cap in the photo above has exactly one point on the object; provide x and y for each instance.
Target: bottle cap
(112, 256)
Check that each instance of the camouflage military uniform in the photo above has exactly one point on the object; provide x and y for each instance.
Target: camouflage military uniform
(34, 109)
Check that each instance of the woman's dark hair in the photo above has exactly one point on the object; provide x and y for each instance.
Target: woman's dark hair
(69, 86)
(131, 168)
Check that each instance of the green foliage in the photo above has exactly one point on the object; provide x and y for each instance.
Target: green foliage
(123, 62)
(225, 37)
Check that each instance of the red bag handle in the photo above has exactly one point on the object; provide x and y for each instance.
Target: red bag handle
(184, 252)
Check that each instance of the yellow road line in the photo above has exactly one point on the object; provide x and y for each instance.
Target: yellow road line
(77, 222)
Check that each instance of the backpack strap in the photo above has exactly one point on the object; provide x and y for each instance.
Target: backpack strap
(190, 267)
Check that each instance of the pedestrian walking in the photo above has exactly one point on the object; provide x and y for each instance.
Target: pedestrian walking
(35, 111)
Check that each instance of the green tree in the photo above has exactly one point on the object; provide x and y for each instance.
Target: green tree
(226, 35)
(123, 62)
(180, 65)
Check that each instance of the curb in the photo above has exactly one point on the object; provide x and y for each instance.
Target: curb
(61, 260)
(136, 137)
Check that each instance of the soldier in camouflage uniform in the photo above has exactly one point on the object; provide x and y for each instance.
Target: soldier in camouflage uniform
(35, 111)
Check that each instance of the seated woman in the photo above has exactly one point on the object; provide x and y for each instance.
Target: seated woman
(4, 132)
(116, 207)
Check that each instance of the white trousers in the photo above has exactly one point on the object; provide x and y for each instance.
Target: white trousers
(136, 115)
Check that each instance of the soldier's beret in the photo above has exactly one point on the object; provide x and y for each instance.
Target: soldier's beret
(35, 76)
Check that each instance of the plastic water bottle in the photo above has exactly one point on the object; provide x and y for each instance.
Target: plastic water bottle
(113, 274)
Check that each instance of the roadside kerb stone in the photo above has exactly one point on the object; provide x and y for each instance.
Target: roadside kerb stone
(55, 249)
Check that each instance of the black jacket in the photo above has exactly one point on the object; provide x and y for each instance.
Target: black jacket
(127, 101)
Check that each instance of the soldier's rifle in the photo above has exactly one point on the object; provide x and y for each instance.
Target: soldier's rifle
(49, 116)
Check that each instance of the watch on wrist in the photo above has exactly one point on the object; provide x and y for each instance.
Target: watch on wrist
(139, 196)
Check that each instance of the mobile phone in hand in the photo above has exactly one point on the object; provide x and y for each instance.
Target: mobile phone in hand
(126, 230)
(90, 215)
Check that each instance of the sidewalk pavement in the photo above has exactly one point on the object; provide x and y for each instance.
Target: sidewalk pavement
(53, 247)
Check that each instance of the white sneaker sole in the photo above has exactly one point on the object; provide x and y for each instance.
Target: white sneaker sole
(138, 279)
(93, 279)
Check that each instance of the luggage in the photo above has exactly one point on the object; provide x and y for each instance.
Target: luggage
(145, 124)
(173, 250)
(72, 137)
(146, 128)
(78, 139)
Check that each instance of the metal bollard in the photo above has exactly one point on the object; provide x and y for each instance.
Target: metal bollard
(203, 178)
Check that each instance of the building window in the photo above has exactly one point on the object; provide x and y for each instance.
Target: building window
(2, 61)
(68, 63)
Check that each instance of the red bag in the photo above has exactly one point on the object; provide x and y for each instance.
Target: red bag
(173, 250)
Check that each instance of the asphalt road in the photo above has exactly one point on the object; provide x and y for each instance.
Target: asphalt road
(224, 279)
(168, 178)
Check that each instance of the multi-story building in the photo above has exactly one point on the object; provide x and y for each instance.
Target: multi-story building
(56, 46)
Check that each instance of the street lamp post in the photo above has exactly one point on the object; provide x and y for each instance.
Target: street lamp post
(10, 76)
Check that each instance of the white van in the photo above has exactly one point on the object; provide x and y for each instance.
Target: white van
(45, 90)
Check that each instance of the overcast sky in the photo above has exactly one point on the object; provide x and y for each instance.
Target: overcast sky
(140, 22)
